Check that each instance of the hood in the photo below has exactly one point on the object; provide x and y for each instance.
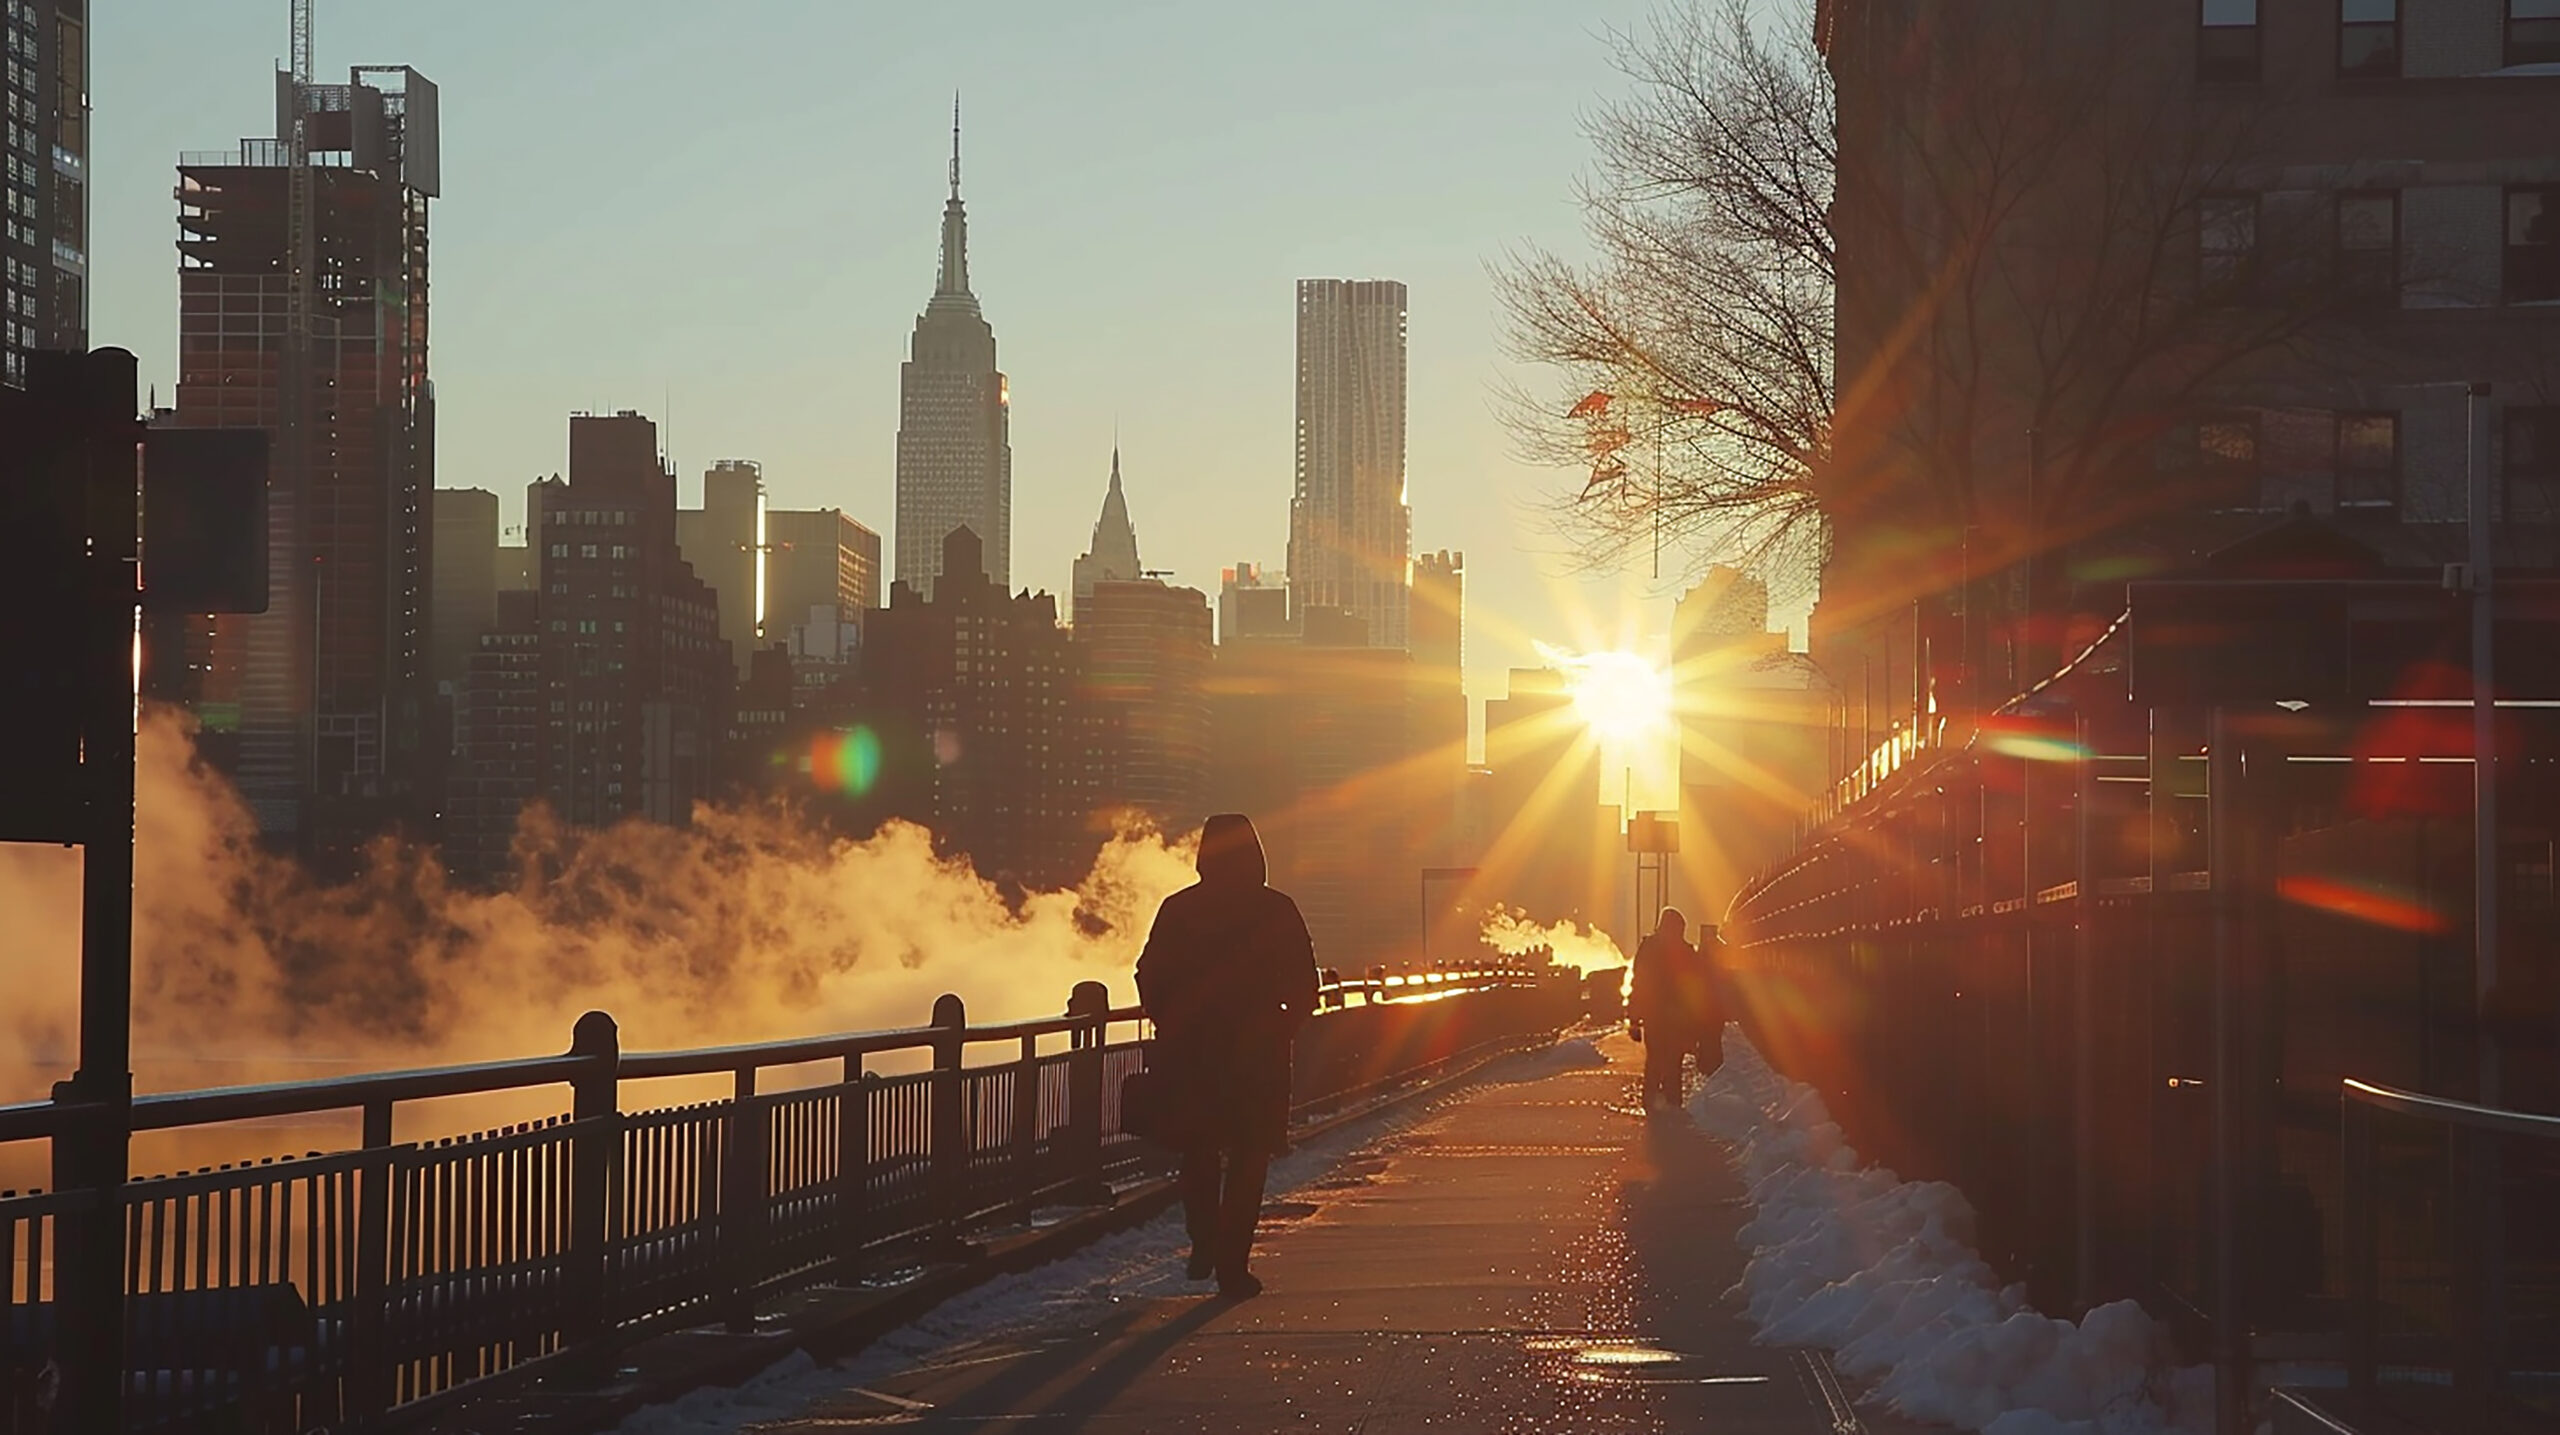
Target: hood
(1231, 851)
(1672, 922)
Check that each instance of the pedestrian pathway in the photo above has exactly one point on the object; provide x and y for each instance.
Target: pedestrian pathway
(1534, 1254)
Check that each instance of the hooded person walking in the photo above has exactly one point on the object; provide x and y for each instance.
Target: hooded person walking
(1659, 1006)
(1228, 976)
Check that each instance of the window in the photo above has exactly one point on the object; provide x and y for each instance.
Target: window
(2532, 457)
(2369, 247)
(2227, 233)
(2227, 460)
(2533, 32)
(559, 550)
(2533, 243)
(2227, 40)
(2369, 39)
(2368, 460)
(586, 550)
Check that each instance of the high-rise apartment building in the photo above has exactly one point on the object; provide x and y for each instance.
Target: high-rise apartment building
(1113, 557)
(634, 671)
(44, 301)
(329, 687)
(955, 457)
(1350, 528)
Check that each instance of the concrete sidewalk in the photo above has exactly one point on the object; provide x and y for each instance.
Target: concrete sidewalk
(1532, 1255)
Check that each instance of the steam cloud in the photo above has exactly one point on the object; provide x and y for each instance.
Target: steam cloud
(1510, 932)
(749, 925)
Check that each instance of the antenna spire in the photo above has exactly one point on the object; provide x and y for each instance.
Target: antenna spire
(955, 144)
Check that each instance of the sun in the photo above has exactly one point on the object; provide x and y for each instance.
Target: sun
(1621, 697)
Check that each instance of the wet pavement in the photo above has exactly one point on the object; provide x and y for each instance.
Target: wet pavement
(1532, 1255)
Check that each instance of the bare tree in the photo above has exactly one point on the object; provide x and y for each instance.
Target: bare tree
(1821, 327)
(1696, 353)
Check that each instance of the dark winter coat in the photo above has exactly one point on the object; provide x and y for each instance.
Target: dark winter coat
(1228, 975)
(1654, 985)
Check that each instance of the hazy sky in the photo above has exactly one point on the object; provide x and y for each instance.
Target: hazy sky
(725, 215)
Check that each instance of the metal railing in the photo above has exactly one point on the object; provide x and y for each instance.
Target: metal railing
(2452, 1252)
(367, 1286)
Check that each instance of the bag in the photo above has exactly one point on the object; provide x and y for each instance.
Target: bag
(1143, 1103)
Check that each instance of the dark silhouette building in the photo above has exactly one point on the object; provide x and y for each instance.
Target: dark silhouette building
(498, 727)
(329, 688)
(1251, 607)
(984, 738)
(463, 593)
(1314, 741)
(44, 303)
(1146, 649)
(820, 564)
(635, 675)
(1439, 699)
(724, 541)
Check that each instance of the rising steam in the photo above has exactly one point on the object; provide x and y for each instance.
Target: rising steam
(751, 924)
(1510, 932)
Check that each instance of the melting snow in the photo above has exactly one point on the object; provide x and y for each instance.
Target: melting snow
(1882, 1271)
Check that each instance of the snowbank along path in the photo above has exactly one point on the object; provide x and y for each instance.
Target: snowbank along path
(1882, 1272)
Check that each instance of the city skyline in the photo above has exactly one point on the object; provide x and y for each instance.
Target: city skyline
(1142, 271)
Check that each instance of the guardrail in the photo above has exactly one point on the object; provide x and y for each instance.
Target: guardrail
(366, 1287)
(2464, 1211)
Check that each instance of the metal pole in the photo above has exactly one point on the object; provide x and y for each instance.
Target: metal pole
(2484, 755)
(2225, 839)
(2084, 1027)
(100, 455)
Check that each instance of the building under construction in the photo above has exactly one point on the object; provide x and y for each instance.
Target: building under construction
(319, 703)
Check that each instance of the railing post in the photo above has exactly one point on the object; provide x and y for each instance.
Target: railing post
(368, 1383)
(2363, 1254)
(948, 1142)
(1090, 1004)
(1026, 1128)
(853, 1173)
(595, 1109)
(742, 1201)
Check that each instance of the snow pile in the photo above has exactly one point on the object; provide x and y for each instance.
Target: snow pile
(1882, 1272)
(1579, 1053)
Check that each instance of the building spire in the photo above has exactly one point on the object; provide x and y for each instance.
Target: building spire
(955, 222)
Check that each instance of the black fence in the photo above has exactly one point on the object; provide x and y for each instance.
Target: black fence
(366, 1287)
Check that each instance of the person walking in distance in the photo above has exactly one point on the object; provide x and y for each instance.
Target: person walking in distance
(1228, 976)
(1656, 1006)
(1702, 1001)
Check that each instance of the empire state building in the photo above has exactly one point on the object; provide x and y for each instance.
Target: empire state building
(955, 459)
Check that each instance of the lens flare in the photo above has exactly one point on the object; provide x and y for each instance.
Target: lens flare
(2367, 902)
(2030, 739)
(846, 762)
